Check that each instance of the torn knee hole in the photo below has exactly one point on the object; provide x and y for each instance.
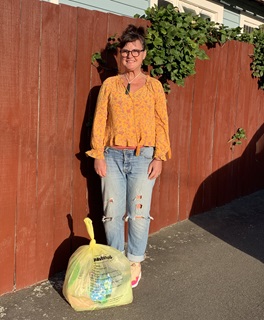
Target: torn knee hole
(139, 217)
(139, 206)
(134, 218)
(107, 219)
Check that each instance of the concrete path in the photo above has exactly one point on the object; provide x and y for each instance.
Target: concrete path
(207, 268)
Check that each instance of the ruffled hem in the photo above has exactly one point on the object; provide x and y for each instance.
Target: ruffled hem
(163, 156)
(95, 154)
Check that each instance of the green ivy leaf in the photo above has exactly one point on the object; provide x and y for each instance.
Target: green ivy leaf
(157, 42)
(96, 56)
(158, 60)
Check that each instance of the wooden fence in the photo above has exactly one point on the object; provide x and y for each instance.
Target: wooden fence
(48, 90)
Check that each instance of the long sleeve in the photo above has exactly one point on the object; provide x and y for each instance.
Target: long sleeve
(99, 124)
(162, 145)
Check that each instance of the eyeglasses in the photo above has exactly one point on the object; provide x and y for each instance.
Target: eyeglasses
(135, 52)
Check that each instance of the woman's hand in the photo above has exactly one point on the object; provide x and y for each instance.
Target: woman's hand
(155, 169)
(100, 167)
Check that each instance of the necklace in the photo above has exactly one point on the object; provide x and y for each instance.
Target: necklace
(129, 82)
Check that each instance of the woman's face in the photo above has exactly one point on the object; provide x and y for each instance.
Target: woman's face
(130, 62)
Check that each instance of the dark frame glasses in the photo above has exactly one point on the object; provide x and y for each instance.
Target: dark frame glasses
(135, 52)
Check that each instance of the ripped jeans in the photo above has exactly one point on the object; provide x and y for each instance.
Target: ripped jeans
(127, 193)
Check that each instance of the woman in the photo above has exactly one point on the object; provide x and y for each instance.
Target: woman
(129, 142)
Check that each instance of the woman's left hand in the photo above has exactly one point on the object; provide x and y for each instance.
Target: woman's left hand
(155, 169)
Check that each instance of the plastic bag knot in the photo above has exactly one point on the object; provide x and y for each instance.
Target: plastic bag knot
(92, 242)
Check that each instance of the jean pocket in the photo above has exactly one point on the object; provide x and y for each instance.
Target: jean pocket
(106, 150)
(147, 152)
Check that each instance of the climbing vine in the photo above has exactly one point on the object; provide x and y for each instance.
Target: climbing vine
(174, 43)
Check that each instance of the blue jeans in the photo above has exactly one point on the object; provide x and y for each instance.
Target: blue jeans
(127, 193)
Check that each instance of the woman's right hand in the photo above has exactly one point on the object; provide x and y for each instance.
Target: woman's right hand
(100, 167)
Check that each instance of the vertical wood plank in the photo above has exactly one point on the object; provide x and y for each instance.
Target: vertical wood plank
(9, 139)
(27, 151)
(62, 236)
(182, 144)
(97, 76)
(166, 192)
(48, 108)
(85, 31)
(202, 132)
(224, 159)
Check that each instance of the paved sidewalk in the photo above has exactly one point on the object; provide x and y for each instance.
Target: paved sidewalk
(207, 268)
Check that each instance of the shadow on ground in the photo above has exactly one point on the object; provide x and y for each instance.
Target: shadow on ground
(239, 223)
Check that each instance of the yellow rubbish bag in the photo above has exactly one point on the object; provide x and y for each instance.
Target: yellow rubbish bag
(97, 276)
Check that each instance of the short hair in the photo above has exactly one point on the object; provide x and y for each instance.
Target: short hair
(131, 34)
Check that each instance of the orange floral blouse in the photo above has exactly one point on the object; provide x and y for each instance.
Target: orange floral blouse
(135, 119)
